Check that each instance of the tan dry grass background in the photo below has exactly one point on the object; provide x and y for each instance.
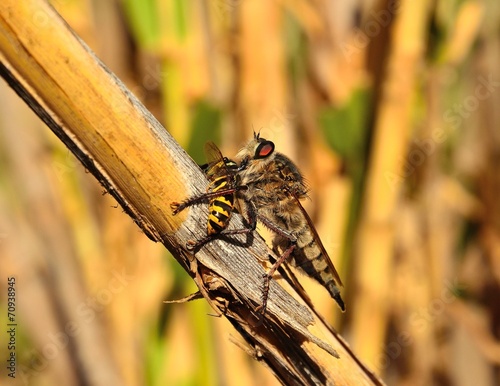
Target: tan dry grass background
(391, 111)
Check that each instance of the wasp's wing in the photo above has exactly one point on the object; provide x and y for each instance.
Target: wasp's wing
(319, 243)
(215, 165)
(212, 152)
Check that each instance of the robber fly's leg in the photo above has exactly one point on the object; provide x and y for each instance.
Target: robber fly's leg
(267, 276)
(251, 220)
(251, 225)
(180, 206)
(191, 245)
(283, 233)
(204, 197)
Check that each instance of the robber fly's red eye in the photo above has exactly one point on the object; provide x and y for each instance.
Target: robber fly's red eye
(265, 149)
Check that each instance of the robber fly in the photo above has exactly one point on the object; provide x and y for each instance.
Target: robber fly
(273, 189)
(222, 174)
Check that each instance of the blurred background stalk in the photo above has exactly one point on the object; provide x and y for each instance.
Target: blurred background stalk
(391, 136)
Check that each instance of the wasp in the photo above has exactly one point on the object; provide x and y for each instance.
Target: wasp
(222, 174)
(274, 187)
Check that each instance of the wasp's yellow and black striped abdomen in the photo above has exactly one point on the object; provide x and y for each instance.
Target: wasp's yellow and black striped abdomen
(220, 208)
(221, 174)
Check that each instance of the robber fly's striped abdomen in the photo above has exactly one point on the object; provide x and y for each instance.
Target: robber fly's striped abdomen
(309, 258)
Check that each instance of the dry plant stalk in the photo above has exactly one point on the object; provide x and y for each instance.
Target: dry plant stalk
(140, 164)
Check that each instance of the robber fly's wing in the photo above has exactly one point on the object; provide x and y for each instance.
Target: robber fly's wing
(319, 243)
